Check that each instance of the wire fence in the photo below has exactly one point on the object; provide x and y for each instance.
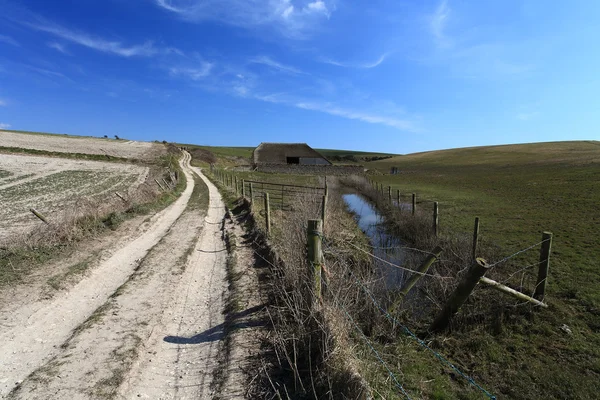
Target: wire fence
(395, 322)
(283, 195)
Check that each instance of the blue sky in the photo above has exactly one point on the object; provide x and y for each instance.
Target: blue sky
(379, 75)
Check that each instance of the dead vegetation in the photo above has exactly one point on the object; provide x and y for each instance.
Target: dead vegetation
(362, 327)
(84, 217)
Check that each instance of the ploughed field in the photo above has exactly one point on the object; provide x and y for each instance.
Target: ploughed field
(81, 145)
(56, 187)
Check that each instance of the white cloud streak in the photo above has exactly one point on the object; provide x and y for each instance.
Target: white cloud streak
(438, 23)
(292, 20)
(332, 109)
(9, 40)
(3, 103)
(146, 49)
(194, 73)
(48, 73)
(59, 47)
(367, 65)
(264, 60)
(4, 126)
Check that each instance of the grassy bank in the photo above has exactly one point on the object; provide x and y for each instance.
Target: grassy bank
(520, 191)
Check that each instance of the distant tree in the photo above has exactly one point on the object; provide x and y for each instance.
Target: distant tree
(117, 137)
(164, 142)
(105, 136)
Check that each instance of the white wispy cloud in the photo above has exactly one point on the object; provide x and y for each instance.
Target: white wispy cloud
(4, 126)
(293, 20)
(397, 123)
(193, 73)
(59, 47)
(146, 49)
(438, 22)
(264, 60)
(3, 103)
(473, 57)
(8, 40)
(48, 73)
(364, 65)
(403, 124)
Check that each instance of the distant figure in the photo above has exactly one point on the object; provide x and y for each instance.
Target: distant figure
(394, 171)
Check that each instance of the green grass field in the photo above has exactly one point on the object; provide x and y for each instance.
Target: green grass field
(520, 191)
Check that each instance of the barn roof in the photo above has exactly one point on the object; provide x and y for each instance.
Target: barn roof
(277, 153)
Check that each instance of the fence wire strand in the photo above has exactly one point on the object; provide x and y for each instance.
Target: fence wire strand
(517, 253)
(395, 322)
(398, 266)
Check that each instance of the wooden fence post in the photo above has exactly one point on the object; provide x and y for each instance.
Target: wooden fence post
(314, 233)
(243, 188)
(542, 279)
(390, 194)
(460, 295)
(251, 193)
(435, 218)
(236, 185)
(40, 216)
(160, 185)
(475, 238)
(423, 268)
(267, 213)
(398, 199)
(323, 209)
(414, 203)
(121, 197)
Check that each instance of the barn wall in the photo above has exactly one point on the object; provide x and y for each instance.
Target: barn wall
(311, 169)
(313, 161)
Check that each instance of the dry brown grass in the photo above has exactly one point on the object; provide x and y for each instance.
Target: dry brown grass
(20, 254)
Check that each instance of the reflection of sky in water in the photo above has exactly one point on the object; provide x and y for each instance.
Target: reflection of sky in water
(369, 221)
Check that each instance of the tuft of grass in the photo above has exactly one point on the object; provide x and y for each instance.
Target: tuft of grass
(121, 358)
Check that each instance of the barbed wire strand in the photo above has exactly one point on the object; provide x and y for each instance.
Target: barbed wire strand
(394, 321)
(517, 253)
(522, 269)
(398, 266)
(380, 359)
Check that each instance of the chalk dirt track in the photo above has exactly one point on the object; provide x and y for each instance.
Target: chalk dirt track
(146, 322)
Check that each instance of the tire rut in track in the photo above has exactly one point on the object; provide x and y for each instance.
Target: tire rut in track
(180, 356)
(26, 348)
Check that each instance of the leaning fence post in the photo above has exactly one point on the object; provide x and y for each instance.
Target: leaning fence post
(267, 213)
(460, 295)
(121, 197)
(475, 238)
(414, 203)
(423, 268)
(435, 218)
(314, 233)
(160, 185)
(542, 279)
(40, 216)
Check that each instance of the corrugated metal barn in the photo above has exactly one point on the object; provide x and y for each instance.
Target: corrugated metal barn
(287, 153)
